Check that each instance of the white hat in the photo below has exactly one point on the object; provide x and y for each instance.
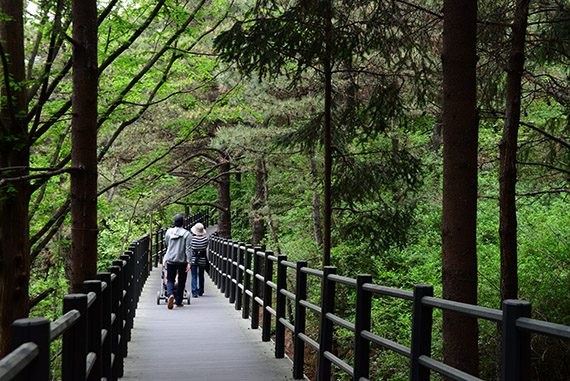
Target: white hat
(198, 229)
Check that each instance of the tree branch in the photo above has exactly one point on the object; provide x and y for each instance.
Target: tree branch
(201, 204)
(550, 136)
(38, 176)
(545, 166)
(44, 294)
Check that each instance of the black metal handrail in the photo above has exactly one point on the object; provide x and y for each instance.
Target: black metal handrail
(236, 269)
(95, 326)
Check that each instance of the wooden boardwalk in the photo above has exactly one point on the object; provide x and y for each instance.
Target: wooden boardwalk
(207, 340)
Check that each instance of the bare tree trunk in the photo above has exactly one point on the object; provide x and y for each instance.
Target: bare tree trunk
(317, 225)
(436, 137)
(508, 151)
(14, 153)
(258, 222)
(224, 201)
(84, 144)
(113, 174)
(459, 219)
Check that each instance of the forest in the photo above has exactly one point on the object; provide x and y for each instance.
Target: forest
(416, 141)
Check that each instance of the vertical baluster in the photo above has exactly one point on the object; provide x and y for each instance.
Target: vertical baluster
(421, 332)
(231, 289)
(246, 282)
(124, 309)
(223, 262)
(239, 275)
(107, 332)
(300, 316)
(94, 325)
(515, 364)
(35, 330)
(326, 326)
(267, 296)
(73, 366)
(362, 323)
(119, 318)
(256, 288)
(128, 271)
(280, 307)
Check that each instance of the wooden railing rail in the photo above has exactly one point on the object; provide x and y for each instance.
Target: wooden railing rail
(236, 270)
(93, 329)
(95, 326)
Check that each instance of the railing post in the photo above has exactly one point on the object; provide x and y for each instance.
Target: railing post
(300, 316)
(421, 332)
(246, 282)
(118, 312)
(94, 325)
(231, 290)
(213, 257)
(239, 276)
(224, 262)
(134, 249)
(161, 244)
(280, 307)
(256, 288)
(267, 277)
(326, 326)
(155, 244)
(124, 301)
(362, 323)
(129, 299)
(73, 364)
(146, 252)
(516, 343)
(106, 322)
(35, 330)
(218, 262)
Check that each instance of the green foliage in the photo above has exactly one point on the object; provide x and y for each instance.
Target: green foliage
(543, 260)
(161, 131)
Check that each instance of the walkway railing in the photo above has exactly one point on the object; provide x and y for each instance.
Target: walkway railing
(236, 269)
(95, 327)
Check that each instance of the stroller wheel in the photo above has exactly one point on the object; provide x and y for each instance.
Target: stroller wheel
(158, 297)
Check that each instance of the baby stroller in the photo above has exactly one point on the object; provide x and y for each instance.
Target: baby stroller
(161, 295)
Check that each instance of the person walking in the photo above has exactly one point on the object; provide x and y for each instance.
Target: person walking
(177, 257)
(199, 259)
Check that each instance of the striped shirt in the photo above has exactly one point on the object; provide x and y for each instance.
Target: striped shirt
(199, 243)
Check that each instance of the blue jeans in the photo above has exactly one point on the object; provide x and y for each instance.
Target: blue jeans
(197, 279)
(171, 271)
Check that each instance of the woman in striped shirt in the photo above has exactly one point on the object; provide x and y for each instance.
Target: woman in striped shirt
(199, 259)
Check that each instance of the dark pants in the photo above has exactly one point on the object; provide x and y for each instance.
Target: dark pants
(171, 271)
(197, 279)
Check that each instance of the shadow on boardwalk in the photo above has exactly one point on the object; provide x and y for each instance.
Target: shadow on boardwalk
(207, 340)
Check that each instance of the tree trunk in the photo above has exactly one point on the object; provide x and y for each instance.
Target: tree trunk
(459, 218)
(327, 207)
(14, 153)
(508, 151)
(317, 225)
(258, 222)
(224, 201)
(436, 136)
(84, 144)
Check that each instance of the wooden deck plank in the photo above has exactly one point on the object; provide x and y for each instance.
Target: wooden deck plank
(207, 340)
